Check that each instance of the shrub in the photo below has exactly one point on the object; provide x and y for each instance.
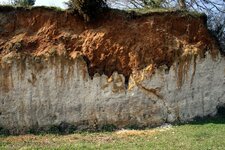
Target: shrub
(108, 127)
(88, 9)
(24, 3)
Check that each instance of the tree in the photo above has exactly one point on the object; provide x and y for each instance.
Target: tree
(182, 4)
(138, 3)
(88, 9)
(24, 3)
(153, 3)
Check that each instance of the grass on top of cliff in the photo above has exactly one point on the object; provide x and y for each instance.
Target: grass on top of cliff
(136, 12)
(8, 8)
(207, 134)
(148, 11)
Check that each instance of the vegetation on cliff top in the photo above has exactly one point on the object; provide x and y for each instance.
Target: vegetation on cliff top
(24, 3)
(88, 9)
(137, 12)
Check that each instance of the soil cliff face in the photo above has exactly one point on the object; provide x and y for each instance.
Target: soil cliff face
(122, 70)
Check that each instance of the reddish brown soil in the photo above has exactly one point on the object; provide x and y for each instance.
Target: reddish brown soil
(116, 42)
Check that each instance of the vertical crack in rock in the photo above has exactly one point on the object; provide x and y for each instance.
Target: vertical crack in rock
(194, 69)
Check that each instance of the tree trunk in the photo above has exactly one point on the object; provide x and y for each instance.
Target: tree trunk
(182, 4)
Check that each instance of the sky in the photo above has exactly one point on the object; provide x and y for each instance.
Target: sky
(58, 3)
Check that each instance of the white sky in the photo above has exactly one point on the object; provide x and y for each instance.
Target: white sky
(58, 3)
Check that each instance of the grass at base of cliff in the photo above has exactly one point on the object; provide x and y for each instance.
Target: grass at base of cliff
(207, 134)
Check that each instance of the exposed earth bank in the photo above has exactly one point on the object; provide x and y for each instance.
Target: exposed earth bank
(125, 69)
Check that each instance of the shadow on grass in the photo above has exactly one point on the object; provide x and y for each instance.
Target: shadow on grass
(218, 119)
(66, 128)
(61, 129)
(208, 120)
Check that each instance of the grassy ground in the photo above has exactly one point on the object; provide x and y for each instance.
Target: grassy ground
(206, 135)
(149, 11)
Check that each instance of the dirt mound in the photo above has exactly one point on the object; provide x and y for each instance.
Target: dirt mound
(120, 41)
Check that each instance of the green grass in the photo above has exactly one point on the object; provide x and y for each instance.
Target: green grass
(204, 135)
(9, 8)
(149, 11)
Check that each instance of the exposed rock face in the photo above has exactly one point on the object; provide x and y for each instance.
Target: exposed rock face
(158, 68)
